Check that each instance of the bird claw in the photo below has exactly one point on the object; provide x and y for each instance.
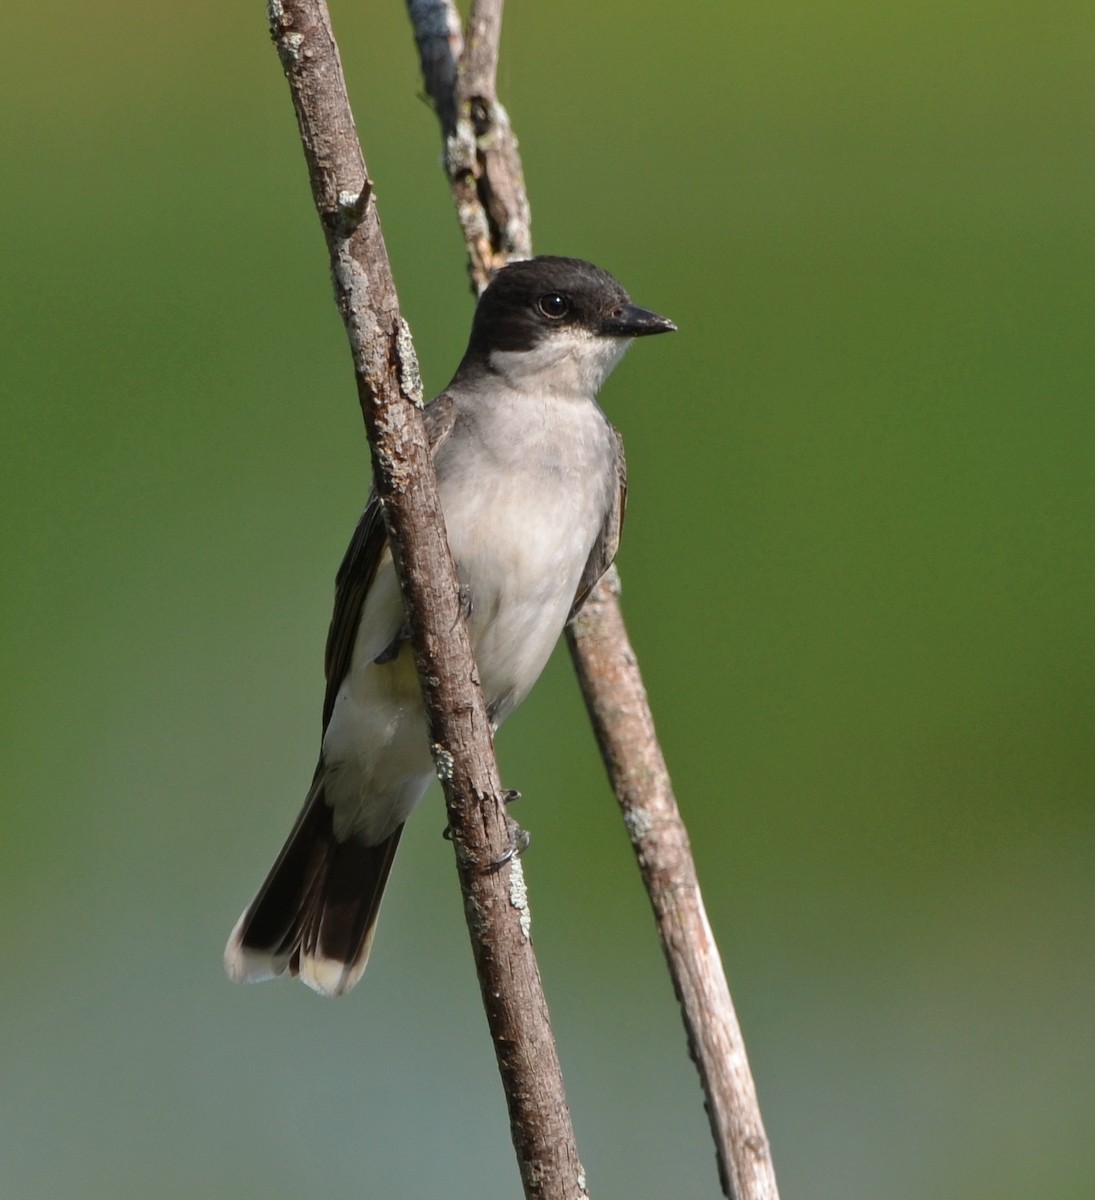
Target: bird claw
(519, 843)
(508, 797)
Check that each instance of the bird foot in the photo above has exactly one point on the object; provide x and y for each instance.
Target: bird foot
(518, 844)
(509, 796)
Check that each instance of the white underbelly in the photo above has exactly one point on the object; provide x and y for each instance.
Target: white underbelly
(521, 566)
(521, 540)
(376, 754)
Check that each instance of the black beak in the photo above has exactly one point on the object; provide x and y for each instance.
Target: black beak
(632, 321)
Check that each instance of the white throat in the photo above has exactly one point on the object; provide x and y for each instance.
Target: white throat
(567, 362)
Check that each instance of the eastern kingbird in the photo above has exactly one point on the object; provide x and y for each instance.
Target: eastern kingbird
(532, 483)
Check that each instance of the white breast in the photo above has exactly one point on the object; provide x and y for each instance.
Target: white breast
(525, 483)
(524, 505)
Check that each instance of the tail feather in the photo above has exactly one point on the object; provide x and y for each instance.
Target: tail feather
(315, 915)
(336, 941)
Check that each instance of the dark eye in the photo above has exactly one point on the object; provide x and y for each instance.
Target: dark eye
(553, 306)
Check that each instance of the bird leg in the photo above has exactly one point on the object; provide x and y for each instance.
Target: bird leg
(519, 838)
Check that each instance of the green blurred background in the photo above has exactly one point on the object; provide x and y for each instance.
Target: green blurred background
(858, 572)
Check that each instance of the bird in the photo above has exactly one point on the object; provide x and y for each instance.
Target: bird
(532, 482)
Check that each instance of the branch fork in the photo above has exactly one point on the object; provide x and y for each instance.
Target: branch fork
(484, 170)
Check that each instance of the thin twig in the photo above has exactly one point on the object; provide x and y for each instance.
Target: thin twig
(606, 665)
(440, 44)
(481, 157)
(389, 390)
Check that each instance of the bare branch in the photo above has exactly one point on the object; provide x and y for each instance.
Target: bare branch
(496, 212)
(609, 674)
(440, 43)
(481, 157)
(389, 390)
(479, 62)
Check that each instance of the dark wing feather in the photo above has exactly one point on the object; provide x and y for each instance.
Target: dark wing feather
(608, 541)
(355, 575)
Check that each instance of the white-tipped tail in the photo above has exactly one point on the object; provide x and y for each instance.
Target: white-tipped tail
(315, 915)
(244, 965)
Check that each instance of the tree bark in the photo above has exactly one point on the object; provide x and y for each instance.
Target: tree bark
(389, 391)
(484, 170)
(481, 156)
(608, 672)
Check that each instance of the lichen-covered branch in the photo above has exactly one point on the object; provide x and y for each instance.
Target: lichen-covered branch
(389, 390)
(481, 157)
(484, 170)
